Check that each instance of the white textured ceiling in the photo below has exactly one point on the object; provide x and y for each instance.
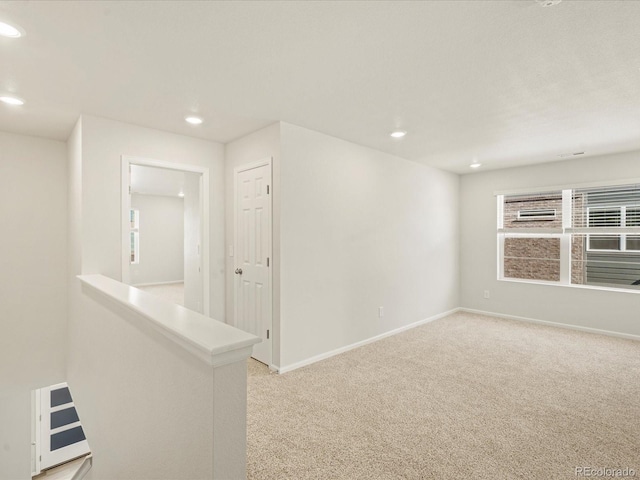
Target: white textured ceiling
(506, 82)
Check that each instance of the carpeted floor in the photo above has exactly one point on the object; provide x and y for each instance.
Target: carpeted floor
(465, 397)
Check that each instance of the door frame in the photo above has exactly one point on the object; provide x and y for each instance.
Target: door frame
(268, 161)
(126, 162)
(50, 458)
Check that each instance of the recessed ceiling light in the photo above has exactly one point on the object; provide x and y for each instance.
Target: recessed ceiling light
(193, 120)
(398, 134)
(181, 194)
(475, 165)
(11, 100)
(10, 31)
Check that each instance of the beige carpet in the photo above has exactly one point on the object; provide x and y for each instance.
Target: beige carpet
(465, 397)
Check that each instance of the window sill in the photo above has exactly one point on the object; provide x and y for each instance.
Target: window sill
(583, 287)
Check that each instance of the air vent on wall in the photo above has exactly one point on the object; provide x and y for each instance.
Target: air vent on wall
(537, 214)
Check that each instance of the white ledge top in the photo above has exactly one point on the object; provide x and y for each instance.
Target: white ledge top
(213, 341)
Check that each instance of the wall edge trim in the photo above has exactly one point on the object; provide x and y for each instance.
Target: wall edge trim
(566, 326)
(361, 343)
(152, 284)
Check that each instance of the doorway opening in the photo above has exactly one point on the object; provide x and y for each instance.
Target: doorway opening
(165, 230)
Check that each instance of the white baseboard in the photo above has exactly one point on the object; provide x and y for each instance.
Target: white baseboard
(552, 324)
(84, 468)
(153, 284)
(337, 351)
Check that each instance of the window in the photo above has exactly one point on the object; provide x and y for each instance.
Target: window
(623, 216)
(57, 431)
(582, 236)
(604, 217)
(633, 220)
(134, 234)
(530, 245)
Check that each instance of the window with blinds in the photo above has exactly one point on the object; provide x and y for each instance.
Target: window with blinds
(581, 236)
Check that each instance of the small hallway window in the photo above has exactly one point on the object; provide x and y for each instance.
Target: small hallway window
(134, 218)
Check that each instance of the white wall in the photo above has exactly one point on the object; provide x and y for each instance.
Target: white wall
(103, 143)
(162, 402)
(112, 355)
(151, 409)
(605, 310)
(360, 229)
(192, 218)
(33, 269)
(161, 239)
(257, 146)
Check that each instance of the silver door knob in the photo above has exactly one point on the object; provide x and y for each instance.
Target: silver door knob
(238, 271)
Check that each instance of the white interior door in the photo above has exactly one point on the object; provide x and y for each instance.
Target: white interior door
(252, 256)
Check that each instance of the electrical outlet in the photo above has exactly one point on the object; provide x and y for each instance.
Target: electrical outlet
(381, 312)
(486, 294)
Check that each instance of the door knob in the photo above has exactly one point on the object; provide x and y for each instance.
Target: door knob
(238, 271)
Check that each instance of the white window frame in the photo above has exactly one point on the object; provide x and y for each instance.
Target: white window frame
(36, 442)
(565, 241)
(565, 233)
(626, 248)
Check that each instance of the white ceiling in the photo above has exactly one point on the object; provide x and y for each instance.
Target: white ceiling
(156, 181)
(506, 82)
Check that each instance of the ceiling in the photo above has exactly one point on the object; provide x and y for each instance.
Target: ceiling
(505, 82)
(156, 181)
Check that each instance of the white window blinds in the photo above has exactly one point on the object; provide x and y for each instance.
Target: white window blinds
(606, 210)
